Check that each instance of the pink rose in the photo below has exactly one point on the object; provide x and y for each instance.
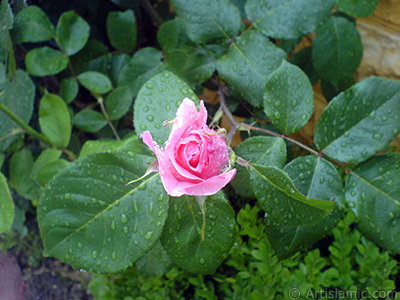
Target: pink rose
(195, 160)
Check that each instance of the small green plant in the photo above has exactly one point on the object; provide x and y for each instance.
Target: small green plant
(252, 270)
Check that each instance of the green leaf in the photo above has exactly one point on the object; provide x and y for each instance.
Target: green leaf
(357, 8)
(21, 165)
(6, 16)
(118, 103)
(281, 200)
(95, 82)
(89, 120)
(92, 52)
(46, 156)
(317, 178)
(72, 32)
(6, 206)
(181, 235)
(121, 30)
(158, 101)
(288, 19)
(155, 262)
(194, 64)
(131, 144)
(202, 26)
(118, 62)
(50, 170)
(260, 150)
(337, 50)
(45, 61)
(144, 64)
(288, 98)
(248, 64)
(168, 35)
(360, 121)
(32, 25)
(303, 59)
(69, 89)
(54, 120)
(87, 212)
(18, 96)
(372, 191)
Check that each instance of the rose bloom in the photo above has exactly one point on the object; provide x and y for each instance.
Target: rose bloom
(195, 160)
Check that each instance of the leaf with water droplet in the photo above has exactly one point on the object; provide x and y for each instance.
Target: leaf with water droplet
(337, 50)
(287, 240)
(272, 152)
(287, 20)
(201, 26)
(270, 183)
(281, 91)
(375, 202)
(247, 65)
(362, 135)
(117, 207)
(157, 101)
(185, 246)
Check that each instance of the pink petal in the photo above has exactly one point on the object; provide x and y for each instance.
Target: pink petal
(208, 187)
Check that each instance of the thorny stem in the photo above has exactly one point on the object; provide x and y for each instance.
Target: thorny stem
(237, 125)
(103, 109)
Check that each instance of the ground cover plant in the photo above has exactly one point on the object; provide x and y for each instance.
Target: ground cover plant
(104, 135)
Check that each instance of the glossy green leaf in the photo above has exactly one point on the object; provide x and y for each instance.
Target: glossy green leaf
(89, 120)
(357, 8)
(21, 165)
(87, 212)
(118, 62)
(131, 144)
(144, 64)
(155, 262)
(121, 30)
(6, 15)
(288, 98)
(317, 178)
(18, 96)
(181, 236)
(32, 25)
(93, 51)
(260, 150)
(360, 121)
(372, 191)
(288, 19)
(72, 32)
(95, 82)
(158, 101)
(249, 62)
(202, 26)
(303, 59)
(3, 76)
(45, 61)
(168, 35)
(337, 49)
(54, 120)
(118, 102)
(69, 89)
(195, 65)
(46, 156)
(282, 202)
(6, 206)
(50, 170)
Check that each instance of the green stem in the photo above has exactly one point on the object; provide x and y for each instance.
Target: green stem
(28, 129)
(103, 109)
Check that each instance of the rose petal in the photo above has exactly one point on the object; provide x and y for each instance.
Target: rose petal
(208, 187)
